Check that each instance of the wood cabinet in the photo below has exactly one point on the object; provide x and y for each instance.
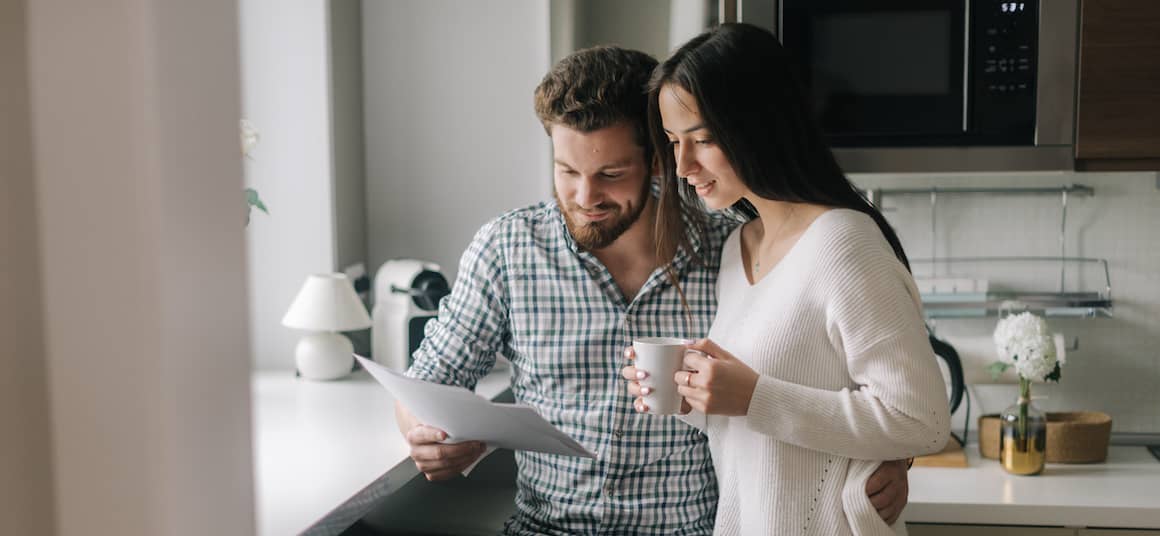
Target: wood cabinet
(1118, 116)
(931, 529)
(1118, 532)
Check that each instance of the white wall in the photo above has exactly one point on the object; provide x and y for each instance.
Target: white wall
(1117, 367)
(138, 180)
(451, 137)
(26, 498)
(285, 94)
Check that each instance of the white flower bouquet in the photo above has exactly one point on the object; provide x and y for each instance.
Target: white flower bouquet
(1023, 341)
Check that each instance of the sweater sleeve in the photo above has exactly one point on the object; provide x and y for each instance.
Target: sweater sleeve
(898, 406)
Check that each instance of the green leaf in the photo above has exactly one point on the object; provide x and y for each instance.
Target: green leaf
(253, 200)
(997, 369)
(1054, 376)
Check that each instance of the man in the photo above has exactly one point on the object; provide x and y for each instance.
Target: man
(561, 288)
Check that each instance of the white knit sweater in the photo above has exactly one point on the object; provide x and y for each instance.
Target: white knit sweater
(848, 378)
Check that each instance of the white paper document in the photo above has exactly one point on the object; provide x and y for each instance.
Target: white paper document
(466, 416)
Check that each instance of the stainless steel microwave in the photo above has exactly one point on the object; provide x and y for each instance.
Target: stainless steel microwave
(934, 85)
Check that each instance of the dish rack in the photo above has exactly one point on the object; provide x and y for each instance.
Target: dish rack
(1084, 286)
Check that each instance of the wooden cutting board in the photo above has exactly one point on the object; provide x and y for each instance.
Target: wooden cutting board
(952, 455)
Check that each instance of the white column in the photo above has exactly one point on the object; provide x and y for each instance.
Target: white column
(25, 446)
(135, 108)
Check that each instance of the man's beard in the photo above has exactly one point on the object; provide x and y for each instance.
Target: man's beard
(601, 234)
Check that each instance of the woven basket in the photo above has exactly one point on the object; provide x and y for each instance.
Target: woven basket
(1073, 437)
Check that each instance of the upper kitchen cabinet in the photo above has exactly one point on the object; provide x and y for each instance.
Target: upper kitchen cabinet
(1118, 123)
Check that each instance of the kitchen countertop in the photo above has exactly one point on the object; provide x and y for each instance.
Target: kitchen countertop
(1122, 492)
(326, 452)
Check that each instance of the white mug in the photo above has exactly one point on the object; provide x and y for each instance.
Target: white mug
(661, 358)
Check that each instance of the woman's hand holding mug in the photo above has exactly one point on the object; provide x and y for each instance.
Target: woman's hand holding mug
(715, 382)
(654, 361)
(638, 392)
(712, 381)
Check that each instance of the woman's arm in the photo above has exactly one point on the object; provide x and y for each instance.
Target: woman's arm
(898, 408)
(873, 318)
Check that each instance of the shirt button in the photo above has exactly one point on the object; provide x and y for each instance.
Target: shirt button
(610, 490)
(618, 433)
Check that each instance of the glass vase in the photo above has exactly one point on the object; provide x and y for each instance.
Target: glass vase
(1023, 440)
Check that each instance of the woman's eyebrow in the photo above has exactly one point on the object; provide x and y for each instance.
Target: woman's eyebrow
(698, 126)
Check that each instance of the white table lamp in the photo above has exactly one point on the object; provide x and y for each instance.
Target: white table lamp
(326, 305)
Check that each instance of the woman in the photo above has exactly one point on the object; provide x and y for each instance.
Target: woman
(818, 361)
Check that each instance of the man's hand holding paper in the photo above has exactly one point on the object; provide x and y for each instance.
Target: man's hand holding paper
(438, 460)
(455, 422)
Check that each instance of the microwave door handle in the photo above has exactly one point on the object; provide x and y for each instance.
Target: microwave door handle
(966, 59)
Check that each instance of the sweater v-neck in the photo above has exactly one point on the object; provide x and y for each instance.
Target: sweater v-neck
(777, 266)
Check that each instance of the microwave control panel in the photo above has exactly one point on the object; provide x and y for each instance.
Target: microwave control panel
(1004, 65)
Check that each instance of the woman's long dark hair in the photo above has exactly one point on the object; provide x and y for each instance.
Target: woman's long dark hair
(757, 111)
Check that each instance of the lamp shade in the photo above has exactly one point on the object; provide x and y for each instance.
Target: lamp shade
(327, 302)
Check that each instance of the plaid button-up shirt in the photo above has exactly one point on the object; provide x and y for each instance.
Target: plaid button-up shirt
(526, 291)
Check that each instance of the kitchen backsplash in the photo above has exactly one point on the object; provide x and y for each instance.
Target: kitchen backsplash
(1116, 368)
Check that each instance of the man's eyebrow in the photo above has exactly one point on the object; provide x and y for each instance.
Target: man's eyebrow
(697, 126)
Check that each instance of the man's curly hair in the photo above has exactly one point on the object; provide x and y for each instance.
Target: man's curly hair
(595, 88)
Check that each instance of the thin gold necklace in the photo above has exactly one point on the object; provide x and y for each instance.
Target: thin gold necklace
(776, 234)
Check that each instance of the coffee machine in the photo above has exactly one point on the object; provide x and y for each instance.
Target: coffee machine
(407, 294)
